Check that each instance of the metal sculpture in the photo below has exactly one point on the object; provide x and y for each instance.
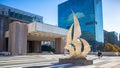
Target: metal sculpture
(75, 45)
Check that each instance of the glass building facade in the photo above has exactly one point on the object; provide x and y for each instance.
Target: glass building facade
(89, 13)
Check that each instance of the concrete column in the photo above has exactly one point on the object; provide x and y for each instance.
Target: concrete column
(59, 45)
(37, 46)
(18, 38)
(63, 43)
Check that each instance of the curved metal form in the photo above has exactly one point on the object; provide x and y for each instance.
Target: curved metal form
(76, 41)
(77, 47)
(86, 48)
(71, 50)
(68, 44)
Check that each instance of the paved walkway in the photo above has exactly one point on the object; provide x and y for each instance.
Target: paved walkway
(51, 61)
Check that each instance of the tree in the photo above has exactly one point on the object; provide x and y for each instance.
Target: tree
(111, 48)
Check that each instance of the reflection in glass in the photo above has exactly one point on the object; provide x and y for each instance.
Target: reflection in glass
(89, 13)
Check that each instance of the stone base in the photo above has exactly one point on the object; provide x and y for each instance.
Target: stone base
(78, 61)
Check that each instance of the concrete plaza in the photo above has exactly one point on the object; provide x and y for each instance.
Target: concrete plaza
(51, 61)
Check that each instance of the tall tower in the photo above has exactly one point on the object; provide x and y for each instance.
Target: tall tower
(89, 13)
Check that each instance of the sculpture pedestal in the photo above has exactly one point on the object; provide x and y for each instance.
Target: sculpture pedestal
(78, 61)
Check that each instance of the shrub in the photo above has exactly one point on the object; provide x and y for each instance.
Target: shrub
(47, 48)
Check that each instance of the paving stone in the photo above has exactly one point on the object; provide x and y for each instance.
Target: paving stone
(52, 61)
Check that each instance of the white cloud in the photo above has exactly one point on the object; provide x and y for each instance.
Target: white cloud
(78, 14)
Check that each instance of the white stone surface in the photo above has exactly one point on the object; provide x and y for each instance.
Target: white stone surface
(51, 61)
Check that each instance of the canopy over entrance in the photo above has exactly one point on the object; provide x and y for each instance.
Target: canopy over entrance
(25, 38)
(40, 31)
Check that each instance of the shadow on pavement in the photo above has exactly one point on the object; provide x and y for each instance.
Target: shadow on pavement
(55, 65)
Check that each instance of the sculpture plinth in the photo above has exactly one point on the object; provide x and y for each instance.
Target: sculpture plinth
(74, 45)
(77, 61)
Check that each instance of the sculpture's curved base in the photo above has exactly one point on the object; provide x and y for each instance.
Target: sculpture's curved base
(78, 61)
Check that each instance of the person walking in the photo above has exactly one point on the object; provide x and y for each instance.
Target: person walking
(99, 54)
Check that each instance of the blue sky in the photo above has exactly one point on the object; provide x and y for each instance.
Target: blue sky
(111, 15)
(48, 9)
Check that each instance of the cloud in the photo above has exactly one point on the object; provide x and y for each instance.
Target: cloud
(78, 14)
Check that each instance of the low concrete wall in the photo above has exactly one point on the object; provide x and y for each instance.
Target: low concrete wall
(106, 53)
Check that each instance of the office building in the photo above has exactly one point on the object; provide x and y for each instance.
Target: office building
(23, 32)
(111, 37)
(89, 13)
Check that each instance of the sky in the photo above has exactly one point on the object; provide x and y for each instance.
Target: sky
(49, 10)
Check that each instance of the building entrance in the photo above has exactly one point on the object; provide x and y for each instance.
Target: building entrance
(33, 46)
(30, 47)
(48, 46)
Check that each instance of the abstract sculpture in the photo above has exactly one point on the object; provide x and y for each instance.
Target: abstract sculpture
(75, 52)
(74, 45)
